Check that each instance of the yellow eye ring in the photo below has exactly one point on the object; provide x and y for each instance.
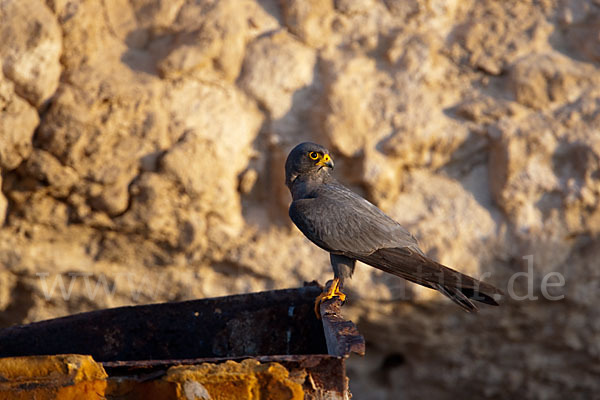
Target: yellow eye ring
(313, 155)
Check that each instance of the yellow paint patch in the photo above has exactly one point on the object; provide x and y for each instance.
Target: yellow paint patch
(67, 376)
(231, 380)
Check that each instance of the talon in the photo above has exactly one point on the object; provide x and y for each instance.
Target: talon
(333, 291)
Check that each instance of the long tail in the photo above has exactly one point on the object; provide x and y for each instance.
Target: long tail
(417, 268)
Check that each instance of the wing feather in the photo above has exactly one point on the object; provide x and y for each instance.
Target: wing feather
(340, 221)
(420, 269)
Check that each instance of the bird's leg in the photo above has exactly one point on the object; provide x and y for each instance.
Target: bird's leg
(333, 291)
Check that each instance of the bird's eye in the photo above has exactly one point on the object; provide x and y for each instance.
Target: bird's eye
(313, 155)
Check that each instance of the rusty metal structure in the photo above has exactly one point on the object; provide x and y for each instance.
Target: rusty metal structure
(145, 341)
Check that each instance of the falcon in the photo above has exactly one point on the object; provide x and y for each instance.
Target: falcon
(351, 228)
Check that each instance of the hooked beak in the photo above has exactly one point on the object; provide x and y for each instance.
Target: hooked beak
(326, 161)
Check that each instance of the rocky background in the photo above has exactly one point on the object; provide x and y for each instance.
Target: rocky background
(142, 145)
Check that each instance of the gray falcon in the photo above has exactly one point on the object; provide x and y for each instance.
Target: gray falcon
(350, 228)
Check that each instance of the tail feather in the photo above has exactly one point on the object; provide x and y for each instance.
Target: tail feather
(416, 267)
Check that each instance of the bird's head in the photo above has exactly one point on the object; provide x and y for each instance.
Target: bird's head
(307, 159)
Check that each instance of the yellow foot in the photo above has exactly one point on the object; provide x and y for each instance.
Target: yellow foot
(334, 291)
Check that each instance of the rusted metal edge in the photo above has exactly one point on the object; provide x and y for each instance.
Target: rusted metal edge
(305, 360)
(279, 322)
(342, 336)
(254, 324)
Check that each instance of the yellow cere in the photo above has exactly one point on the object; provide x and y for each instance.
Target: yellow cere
(325, 159)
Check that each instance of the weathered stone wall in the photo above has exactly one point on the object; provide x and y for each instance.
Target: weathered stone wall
(142, 145)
